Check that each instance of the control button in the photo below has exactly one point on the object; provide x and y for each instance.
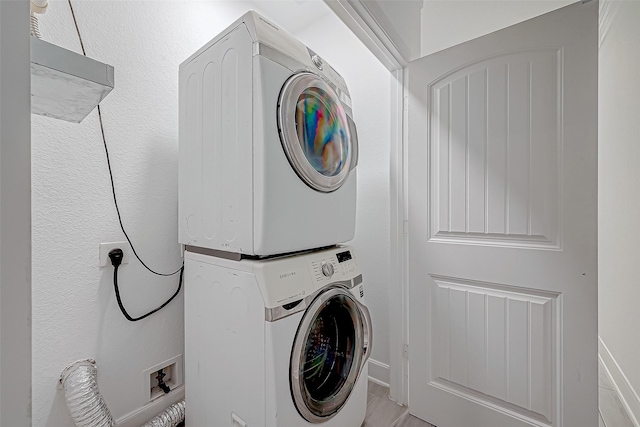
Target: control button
(317, 61)
(327, 269)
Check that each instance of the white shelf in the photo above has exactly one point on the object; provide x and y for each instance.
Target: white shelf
(66, 85)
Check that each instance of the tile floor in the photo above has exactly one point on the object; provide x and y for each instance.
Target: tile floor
(612, 413)
(382, 412)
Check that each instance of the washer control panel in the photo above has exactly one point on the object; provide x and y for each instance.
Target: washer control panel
(339, 265)
(347, 263)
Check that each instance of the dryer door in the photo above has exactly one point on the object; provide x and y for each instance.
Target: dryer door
(331, 346)
(316, 134)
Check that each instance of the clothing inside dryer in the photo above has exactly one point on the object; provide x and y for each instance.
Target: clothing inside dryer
(322, 131)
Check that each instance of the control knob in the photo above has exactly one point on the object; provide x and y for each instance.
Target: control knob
(317, 61)
(327, 269)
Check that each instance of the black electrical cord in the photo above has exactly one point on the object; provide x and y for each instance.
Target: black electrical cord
(115, 202)
(113, 188)
(116, 256)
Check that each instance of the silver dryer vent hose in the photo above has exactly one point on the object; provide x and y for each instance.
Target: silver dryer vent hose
(85, 403)
(88, 408)
(171, 417)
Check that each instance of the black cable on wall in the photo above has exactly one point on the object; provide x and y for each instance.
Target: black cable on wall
(116, 258)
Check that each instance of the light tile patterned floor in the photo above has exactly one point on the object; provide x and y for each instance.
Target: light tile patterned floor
(382, 412)
(612, 413)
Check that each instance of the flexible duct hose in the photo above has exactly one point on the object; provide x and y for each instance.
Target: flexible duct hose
(85, 403)
(171, 417)
(88, 408)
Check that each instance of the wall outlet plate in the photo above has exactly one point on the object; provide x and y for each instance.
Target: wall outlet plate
(105, 248)
(173, 369)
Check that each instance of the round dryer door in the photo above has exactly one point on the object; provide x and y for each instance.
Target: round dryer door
(316, 134)
(330, 349)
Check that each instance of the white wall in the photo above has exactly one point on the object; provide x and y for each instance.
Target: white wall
(619, 195)
(74, 310)
(400, 21)
(15, 217)
(368, 81)
(446, 23)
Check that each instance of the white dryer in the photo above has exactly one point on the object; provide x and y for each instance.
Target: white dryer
(268, 145)
(276, 343)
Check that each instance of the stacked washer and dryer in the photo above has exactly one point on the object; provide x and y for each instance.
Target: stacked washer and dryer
(277, 333)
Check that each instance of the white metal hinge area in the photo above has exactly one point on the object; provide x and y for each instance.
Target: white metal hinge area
(405, 108)
(405, 351)
(405, 227)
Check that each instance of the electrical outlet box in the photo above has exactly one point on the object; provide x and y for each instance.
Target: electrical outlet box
(105, 248)
(173, 370)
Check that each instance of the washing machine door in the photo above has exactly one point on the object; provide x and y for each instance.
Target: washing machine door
(317, 136)
(331, 347)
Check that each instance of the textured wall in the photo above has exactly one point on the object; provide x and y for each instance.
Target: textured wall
(618, 178)
(75, 314)
(74, 309)
(369, 82)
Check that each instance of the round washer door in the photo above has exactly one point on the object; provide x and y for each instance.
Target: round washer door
(330, 349)
(315, 132)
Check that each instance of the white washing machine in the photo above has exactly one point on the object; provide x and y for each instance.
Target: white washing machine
(268, 145)
(282, 342)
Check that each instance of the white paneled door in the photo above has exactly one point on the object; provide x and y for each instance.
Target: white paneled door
(502, 219)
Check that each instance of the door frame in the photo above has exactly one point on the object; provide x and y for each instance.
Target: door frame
(362, 22)
(15, 215)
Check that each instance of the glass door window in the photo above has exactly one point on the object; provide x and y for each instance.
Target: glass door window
(315, 132)
(328, 355)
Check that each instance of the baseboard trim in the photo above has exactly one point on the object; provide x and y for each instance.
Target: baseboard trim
(621, 385)
(140, 416)
(379, 373)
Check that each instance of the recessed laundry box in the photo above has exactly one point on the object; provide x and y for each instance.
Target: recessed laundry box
(268, 145)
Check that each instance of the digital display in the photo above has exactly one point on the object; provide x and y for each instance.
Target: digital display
(343, 256)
